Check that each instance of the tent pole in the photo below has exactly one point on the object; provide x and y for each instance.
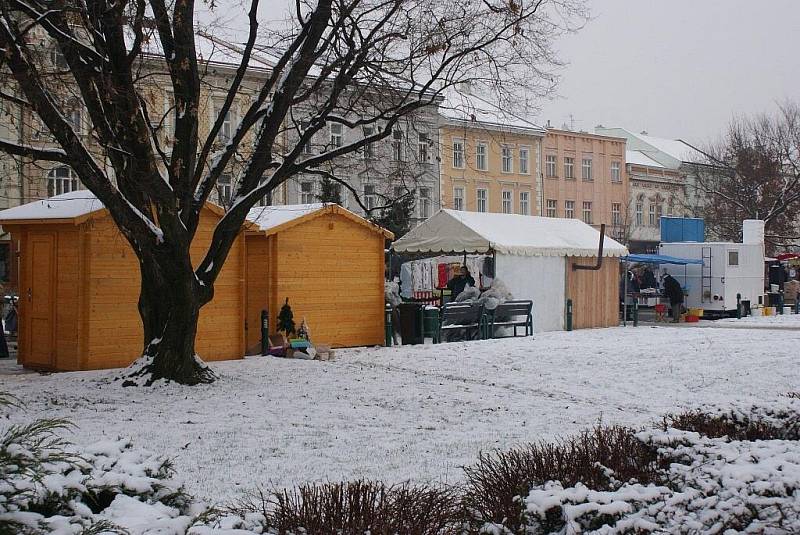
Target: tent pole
(625, 294)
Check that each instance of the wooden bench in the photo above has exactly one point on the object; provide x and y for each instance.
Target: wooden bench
(455, 317)
(512, 314)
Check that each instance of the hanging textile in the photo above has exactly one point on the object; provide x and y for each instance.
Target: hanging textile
(443, 275)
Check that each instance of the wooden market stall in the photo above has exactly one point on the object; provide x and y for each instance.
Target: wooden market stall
(535, 258)
(79, 288)
(328, 262)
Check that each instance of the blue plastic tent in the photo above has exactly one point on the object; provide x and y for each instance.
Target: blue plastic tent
(659, 259)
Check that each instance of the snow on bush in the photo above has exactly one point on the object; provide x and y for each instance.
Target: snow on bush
(727, 469)
(734, 481)
(49, 486)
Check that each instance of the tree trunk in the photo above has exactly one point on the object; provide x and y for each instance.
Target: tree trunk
(169, 305)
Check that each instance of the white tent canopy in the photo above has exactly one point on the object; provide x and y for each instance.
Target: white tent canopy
(452, 231)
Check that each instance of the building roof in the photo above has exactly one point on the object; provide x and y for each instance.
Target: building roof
(466, 109)
(274, 219)
(676, 148)
(637, 157)
(70, 205)
(451, 231)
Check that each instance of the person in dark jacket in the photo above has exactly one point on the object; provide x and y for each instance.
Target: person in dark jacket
(674, 292)
(649, 278)
(459, 282)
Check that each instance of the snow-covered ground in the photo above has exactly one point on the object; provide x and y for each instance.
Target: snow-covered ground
(412, 412)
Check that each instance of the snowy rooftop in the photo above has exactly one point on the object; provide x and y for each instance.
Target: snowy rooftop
(457, 231)
(64, 206)
(270, 217)
(680, 150)
(267, 217)
(462, 107)
(637, 157)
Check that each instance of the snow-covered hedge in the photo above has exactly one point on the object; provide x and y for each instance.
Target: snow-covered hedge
(730, 469)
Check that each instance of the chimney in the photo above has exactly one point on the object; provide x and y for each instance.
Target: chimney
(753, 231)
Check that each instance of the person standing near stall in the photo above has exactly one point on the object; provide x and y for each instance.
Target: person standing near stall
(674, 292)
(459, 282)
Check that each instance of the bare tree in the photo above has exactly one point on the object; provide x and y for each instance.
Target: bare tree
(754, 173)
(356, 63)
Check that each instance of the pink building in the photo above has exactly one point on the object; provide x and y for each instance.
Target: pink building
(584, 177)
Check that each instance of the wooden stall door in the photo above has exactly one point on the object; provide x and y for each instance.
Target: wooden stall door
(39, 296)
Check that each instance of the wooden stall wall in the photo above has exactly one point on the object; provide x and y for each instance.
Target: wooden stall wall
(331, 269)
(257, 288)
(114, 328)
(594, 294)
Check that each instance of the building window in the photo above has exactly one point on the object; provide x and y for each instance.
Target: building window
(508, 160)
(524, 158)
(423, 144)
(75, 119)
(659, 213)
(224, 189)
(370, 198)
(507, 201)
(652, 214)
(552, 207)
(586, 169)
(336, 135)
(61, 180)
(225, 133)
(639, 214)
(524, 203)
(369, 148)
(458, 153)
(616, 174)
(424, 203)
(304, 125)
(550, 165)
(482, 196)
(587, 212)
(58, 59)
(569, 168)
(397, 145)
(569, 209)
(458, 198)
(616, 214)
(733, 258)
(480, 156)
(307, 192)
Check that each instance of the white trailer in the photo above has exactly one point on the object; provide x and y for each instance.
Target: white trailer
(728, 269)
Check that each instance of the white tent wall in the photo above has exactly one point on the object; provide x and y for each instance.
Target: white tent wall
(540, 279)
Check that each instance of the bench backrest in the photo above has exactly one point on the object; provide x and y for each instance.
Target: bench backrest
(514, 308)
(461, 312)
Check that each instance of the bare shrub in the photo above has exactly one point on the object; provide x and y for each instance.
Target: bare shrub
(357, 508)
(737, 425)
(600, 458)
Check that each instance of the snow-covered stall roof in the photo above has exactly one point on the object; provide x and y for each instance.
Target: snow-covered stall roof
(74, 206)
(474, 232)
(271, 219)
(70, 205)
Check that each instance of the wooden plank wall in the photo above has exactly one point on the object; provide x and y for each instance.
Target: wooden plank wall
(594, 294)
(114, 329)
(257, 288)
(331, 269)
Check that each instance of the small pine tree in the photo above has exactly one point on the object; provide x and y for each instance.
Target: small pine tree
(330, 191)
(286, 319)
(397, 217)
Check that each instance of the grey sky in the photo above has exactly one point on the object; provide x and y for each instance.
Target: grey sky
(678, 68)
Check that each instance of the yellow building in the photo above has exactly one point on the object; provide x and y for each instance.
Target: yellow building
(489, 158)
